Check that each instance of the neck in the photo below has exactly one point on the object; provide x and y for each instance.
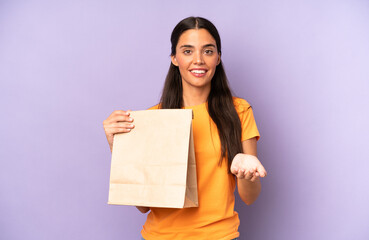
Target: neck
(193, 96)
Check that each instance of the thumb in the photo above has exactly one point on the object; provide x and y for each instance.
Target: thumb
(234, 169)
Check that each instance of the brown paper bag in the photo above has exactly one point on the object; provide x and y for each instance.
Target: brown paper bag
(154, 164)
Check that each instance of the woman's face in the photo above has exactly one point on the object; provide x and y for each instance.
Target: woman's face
(197, 58)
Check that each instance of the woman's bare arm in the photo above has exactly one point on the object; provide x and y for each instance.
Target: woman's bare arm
(248, 170)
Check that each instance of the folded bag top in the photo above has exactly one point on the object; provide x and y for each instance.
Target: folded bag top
(154, 164)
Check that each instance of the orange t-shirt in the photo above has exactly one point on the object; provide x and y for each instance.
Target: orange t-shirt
(215, 217)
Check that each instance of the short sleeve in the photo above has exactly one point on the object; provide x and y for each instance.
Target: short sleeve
(154, 107)
(246, 115)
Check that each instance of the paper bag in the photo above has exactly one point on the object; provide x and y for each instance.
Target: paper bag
(154, 164)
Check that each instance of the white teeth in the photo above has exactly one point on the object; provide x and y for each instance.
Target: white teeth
(198, 71)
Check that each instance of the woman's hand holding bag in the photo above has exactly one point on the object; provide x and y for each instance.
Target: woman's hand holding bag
(118, 122)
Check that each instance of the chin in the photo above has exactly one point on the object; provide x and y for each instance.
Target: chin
(198, 83)
(201, 85)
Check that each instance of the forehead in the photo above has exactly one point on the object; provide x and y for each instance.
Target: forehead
(196, 37)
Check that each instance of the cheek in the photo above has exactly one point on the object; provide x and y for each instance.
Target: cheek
(183, 64)
(213, 62)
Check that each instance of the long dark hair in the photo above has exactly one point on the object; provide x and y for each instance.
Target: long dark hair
(220, 102)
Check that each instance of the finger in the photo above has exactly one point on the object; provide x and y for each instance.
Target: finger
(242, 173)
(249, 175)
(262, 174)
(234, 170)
(238, 173)
(115, 130)
(118, 127)
(261, 170)
(119, 118)
(254, 178)
(122, 125)
(120, 112)
(235, 166)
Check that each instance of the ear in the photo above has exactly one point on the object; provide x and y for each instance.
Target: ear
(174, 60)
(218, 59)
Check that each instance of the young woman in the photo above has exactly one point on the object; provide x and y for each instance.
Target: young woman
(225, 136)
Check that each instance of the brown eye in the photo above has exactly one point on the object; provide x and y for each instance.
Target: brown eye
(209, 52)
(187, 52)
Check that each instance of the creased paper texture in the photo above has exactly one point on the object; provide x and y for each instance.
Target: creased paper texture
(154, 164)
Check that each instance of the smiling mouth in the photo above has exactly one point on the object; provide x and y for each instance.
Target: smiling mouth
(198, 72)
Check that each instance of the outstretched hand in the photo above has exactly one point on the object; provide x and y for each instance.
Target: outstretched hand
(246, 166)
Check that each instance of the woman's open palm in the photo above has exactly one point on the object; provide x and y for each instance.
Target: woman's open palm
(246, 166)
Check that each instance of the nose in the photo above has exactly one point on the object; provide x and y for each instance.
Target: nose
(198, 58)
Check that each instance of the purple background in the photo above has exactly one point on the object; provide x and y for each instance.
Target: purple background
(66, 65)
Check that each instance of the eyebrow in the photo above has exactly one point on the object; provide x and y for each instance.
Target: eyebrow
(206, 45)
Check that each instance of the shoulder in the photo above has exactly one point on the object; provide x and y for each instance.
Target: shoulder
(240, 104)
(157, 106)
